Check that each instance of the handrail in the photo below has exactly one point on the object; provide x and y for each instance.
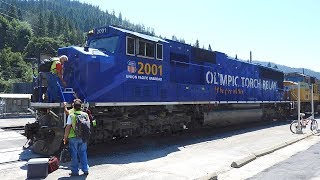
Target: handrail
(78, 87)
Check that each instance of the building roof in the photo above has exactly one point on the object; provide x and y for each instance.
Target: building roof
(15, 96)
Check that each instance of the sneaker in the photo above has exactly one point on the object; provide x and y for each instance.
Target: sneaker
(86, 173)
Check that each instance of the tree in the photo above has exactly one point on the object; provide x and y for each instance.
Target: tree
(174, 38)
(269, 64)
(23, 34)
(120, 19)
(20, 15)
(44, 45)
(4, 27)
(209, 48)
(275, 66)
(197, 44)
(13, 13)
(16, 69)
(41, 27)
(59, 26)
(51, 25)
(182, 40)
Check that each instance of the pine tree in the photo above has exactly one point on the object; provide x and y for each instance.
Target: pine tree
(209, 48)
(174, 38)
(120, 19)
(197, 44)
(40, 27)
(269, 64)
(51, 26)
(59, 26)
(13, 13)
(20, 15)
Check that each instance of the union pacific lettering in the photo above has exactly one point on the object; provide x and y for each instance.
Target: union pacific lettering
(144, 71)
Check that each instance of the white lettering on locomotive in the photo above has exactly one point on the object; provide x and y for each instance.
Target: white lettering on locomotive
(236, 81)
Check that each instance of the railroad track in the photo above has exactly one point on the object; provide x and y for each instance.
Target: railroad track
(18, 129)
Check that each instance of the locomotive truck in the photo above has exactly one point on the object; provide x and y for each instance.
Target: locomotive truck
(136, 85)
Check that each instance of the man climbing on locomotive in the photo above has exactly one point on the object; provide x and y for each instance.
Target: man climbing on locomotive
(55, 78)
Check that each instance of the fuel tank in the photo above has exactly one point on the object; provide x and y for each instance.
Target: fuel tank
(231, 117)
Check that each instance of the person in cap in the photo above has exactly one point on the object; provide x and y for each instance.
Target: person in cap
(57, 67)
(77, 146)
(55, 79)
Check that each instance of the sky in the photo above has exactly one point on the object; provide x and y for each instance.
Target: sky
(285, 32)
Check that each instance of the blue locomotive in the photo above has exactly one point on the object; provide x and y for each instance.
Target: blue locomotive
(136, 84)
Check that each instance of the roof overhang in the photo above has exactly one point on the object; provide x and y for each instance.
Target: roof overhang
(140, 35)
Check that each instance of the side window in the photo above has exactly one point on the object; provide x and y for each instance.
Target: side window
(150, 50)
(130, 46)
(146, 49)
(159, 51)
(142, 48)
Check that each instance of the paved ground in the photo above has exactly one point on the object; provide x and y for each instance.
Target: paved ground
(189, 159)
(303, 165)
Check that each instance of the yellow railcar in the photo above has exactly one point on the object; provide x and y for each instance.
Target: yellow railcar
(306, 84)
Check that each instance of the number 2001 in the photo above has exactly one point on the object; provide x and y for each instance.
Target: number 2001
(155, 70)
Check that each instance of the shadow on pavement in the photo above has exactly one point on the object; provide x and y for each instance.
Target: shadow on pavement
(132, 150)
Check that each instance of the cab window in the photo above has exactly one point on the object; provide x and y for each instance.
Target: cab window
(130, 46)
(105, 44)
(159, 51)
(146, 49)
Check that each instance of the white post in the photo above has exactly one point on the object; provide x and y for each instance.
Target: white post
(299, 118)
(312, 105)
(299, 128)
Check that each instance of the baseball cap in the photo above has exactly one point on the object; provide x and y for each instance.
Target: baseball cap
(77, 103)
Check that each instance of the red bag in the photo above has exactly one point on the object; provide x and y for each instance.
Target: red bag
(53, 164)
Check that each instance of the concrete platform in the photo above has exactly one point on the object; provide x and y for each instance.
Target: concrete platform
(203, 158)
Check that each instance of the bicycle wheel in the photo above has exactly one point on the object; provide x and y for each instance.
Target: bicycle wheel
(314, 125)
(294, 127)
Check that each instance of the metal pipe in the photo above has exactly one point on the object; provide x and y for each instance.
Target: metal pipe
(312, 104)
(299, 102)
(299, 128)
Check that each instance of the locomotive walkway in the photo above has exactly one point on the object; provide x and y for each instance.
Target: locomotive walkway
(199, 157)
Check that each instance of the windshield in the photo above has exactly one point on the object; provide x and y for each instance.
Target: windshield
(105, 44)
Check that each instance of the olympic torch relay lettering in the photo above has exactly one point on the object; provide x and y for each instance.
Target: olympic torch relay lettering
(219, 79)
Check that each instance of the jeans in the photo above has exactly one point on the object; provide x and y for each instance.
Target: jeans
(54, 88)
(78, 148)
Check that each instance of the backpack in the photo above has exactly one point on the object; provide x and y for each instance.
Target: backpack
(45, 65)
(82, 128)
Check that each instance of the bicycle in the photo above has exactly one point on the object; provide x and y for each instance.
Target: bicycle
(296, 128)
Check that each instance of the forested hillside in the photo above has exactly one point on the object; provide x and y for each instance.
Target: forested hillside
(287, 69)
(31, 27)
